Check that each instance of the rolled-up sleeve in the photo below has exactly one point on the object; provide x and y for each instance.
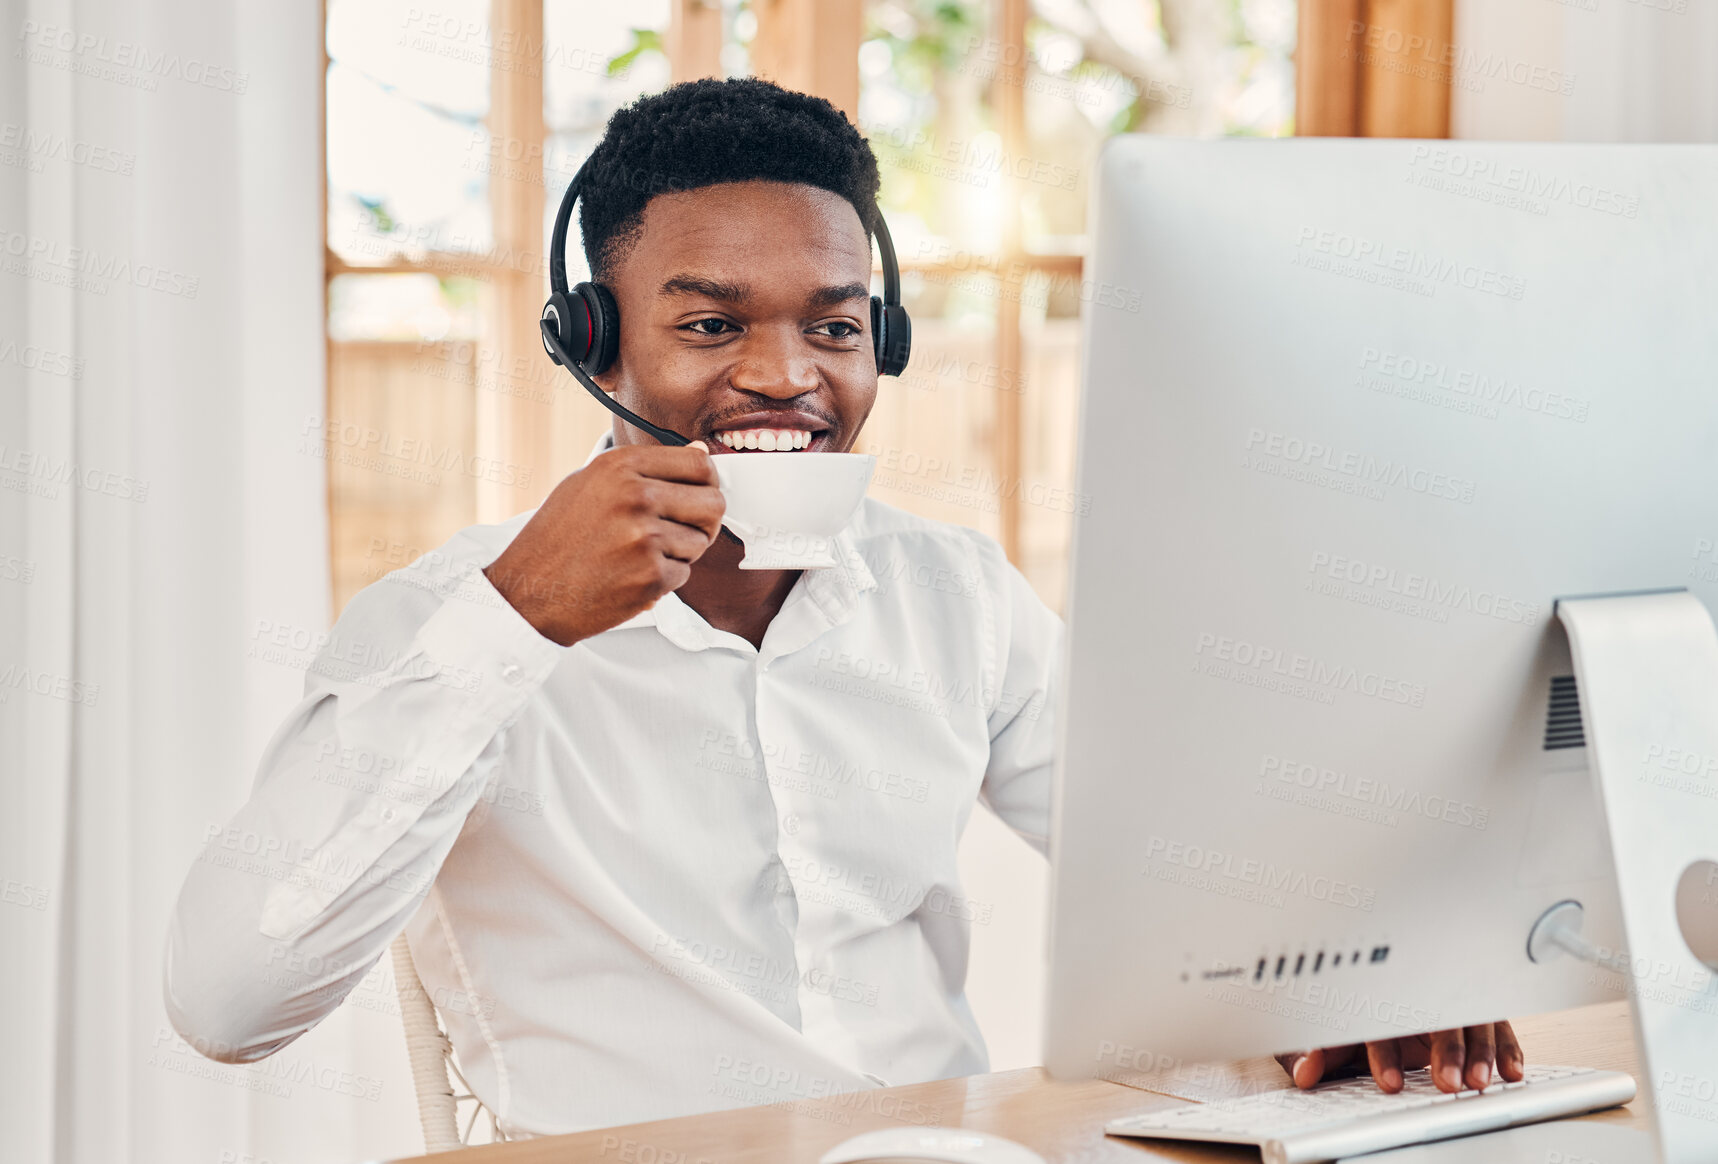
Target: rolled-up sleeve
(358, 798)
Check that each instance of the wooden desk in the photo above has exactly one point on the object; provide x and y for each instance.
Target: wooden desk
(1061, 1120)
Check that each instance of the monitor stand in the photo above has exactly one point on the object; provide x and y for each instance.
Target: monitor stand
(1646, 669)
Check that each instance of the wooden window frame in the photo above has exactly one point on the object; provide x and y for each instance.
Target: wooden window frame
(1350, 80)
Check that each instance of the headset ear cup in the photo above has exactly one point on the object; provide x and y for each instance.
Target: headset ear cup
(894, 337)
(559, 314)
(878, 339)
(604, 327)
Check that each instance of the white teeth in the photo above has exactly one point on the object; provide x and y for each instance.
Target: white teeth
(766, 439)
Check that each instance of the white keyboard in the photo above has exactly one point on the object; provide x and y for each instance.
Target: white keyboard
(1351, 1116)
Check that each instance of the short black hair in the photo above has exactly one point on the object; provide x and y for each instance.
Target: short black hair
(705, 133)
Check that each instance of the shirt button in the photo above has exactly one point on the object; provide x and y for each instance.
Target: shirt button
(790, 824)
(387, 814)
(511, 671)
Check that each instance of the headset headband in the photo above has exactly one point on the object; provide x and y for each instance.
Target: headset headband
(586, 319)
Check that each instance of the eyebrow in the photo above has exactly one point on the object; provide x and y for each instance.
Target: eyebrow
(740, 292)
(846, 292)
(708, 288)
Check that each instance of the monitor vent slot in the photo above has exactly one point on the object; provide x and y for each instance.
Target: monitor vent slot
(1563, 715)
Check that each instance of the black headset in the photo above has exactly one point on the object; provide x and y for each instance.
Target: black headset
(581, 327)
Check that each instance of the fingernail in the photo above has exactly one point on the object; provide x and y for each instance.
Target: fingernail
(1482, 1072)
(1452, 1076)
(1392, 1078)
(699, 445)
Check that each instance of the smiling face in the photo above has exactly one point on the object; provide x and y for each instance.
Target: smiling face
(746, 320)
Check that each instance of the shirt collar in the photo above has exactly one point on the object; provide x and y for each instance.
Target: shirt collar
(820, 600)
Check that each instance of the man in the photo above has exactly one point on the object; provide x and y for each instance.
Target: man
(666, 835)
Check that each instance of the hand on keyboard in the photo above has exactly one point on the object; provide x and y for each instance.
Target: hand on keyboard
(1460, 1058)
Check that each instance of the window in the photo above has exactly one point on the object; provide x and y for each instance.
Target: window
(454, 127)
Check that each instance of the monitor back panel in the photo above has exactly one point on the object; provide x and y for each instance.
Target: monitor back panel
(1354, 414)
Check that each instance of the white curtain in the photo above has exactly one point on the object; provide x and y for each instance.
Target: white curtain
(1635, 70)
(161, 346)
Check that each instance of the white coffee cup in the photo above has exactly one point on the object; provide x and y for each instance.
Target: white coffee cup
(788, 507)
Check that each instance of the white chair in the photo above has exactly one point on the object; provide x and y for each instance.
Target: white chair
(431, 1056)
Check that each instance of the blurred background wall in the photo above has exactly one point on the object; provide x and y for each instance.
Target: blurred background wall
(361, 196)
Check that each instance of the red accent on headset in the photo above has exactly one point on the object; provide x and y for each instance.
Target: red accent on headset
(590, 330)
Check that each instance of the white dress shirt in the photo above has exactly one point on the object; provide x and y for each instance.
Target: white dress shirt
(657, 872)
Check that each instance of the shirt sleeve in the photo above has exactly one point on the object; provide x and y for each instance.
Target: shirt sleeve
(358, 798)
(1022, 737)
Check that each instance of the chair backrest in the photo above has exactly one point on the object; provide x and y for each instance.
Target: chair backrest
(431, 1057)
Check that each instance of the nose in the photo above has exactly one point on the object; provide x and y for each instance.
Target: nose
(775, 363)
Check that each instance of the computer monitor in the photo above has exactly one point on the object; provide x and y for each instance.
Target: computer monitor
(1355, 414)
